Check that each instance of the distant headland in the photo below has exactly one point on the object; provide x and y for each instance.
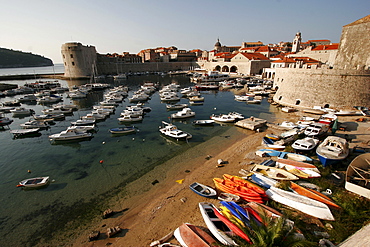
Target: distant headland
(18, 59)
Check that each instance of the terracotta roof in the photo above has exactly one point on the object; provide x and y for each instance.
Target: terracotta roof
(254, 56)
(318, 40)
(326, 47)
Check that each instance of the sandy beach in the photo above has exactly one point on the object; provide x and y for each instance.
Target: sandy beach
(147, 211)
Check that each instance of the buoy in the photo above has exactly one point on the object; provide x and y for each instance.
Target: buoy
(101, 161)
(29, 171)
(133, 138)
(215, 108)
(103, 143)
(143, 140)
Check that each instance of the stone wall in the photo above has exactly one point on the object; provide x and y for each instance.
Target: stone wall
(354, 48)
(305, 88)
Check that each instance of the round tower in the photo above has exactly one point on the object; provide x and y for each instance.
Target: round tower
(79, 61)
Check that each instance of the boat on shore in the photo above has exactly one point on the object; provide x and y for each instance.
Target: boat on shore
(274, 172)
(301, 203)
(358, 176)
(34, 182)
(305, 145)
(219, 229)
(332, 150)
(190, 235)
(203, 190)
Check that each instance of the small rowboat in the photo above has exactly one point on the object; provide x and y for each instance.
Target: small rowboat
(190, 235)
(302, 203)
(228, 197)
(34, 182)
(204, 122)
(122, 130)
(203, 190)
(274, 172)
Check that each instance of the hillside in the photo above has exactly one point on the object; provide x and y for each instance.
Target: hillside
(17, 59)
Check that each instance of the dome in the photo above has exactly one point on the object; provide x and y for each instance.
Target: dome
(218, 43)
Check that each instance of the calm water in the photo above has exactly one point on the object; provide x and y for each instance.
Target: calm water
(80, 181)
(56, 69)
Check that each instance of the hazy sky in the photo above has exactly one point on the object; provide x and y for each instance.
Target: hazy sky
(42, 26)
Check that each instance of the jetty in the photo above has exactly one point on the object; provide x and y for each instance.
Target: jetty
(252, 123)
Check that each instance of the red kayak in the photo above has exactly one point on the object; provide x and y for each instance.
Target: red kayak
(244, 193)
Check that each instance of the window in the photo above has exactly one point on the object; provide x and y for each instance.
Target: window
(280, 97)
(326, 106)
(71, 55)
(297, 102)
(73, 63)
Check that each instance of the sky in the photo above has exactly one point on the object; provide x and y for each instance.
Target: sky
(42, 26)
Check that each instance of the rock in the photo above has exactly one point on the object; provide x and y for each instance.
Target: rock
(111, 231)
(94, 235)
(107, 213)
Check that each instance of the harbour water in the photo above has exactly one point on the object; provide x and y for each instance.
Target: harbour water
(83, 174)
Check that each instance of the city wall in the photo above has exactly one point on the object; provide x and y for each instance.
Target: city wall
(334, 88)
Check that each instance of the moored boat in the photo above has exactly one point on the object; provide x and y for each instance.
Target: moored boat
(204, 122)
(24, 132)
(69, 135)
(172, 131)
(34, 182)
(123, 130)
(184, 113)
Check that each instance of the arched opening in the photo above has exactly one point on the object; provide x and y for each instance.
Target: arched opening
(326, 106)
(234, 69)
(276, 88)
(280, 97)
(218, 68)
(225, 69)
(297, 102)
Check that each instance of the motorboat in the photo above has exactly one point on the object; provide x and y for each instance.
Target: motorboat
(82, 122)
(132, 112)
(332, 150)
(17, 133)
(27, 98)
(83, 128)
(129, 118)
(270, 144)
(123, 130)
(196, 98)
(225, 118)
(305, 144)
(288, 125)
(204, 122)
(254, 100)
(358, 176)
(4, 121)
(241, 97)
(207, 86)
(70, 135)
(34, 182)
(236, 115)
(32, 124)
(184, 113)
(328, 118)
(49, 99)
(316, 129)
(171, 130)
(170, 97)
(95, 116)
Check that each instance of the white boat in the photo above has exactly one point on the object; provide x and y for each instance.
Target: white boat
(196, 98)
(358, 175)
(24, 132)
(305, 144)
(255, 100)
(34, 182)
(120, 76)
(32, 124)
(302, 203)
(82, 128)
(176, 106)
(288, 125)
(129, 118)
(225, 118)
(204, 122)
(21, 111)
(332, 150)
(94, 116)
(236, 115)
(70, 135)
(316, 129)
(274, 172)
(170, 97)
(241, 97)
(300, 165)
(171, 130)
(215, 225)
(49, 99)
(76, 94)
(82, 122)
(132, 112)
(288, 109)
(27, 98)
(184, 113)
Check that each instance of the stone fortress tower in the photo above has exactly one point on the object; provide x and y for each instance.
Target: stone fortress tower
(342, 86)
(79, 60)
(297, 42)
